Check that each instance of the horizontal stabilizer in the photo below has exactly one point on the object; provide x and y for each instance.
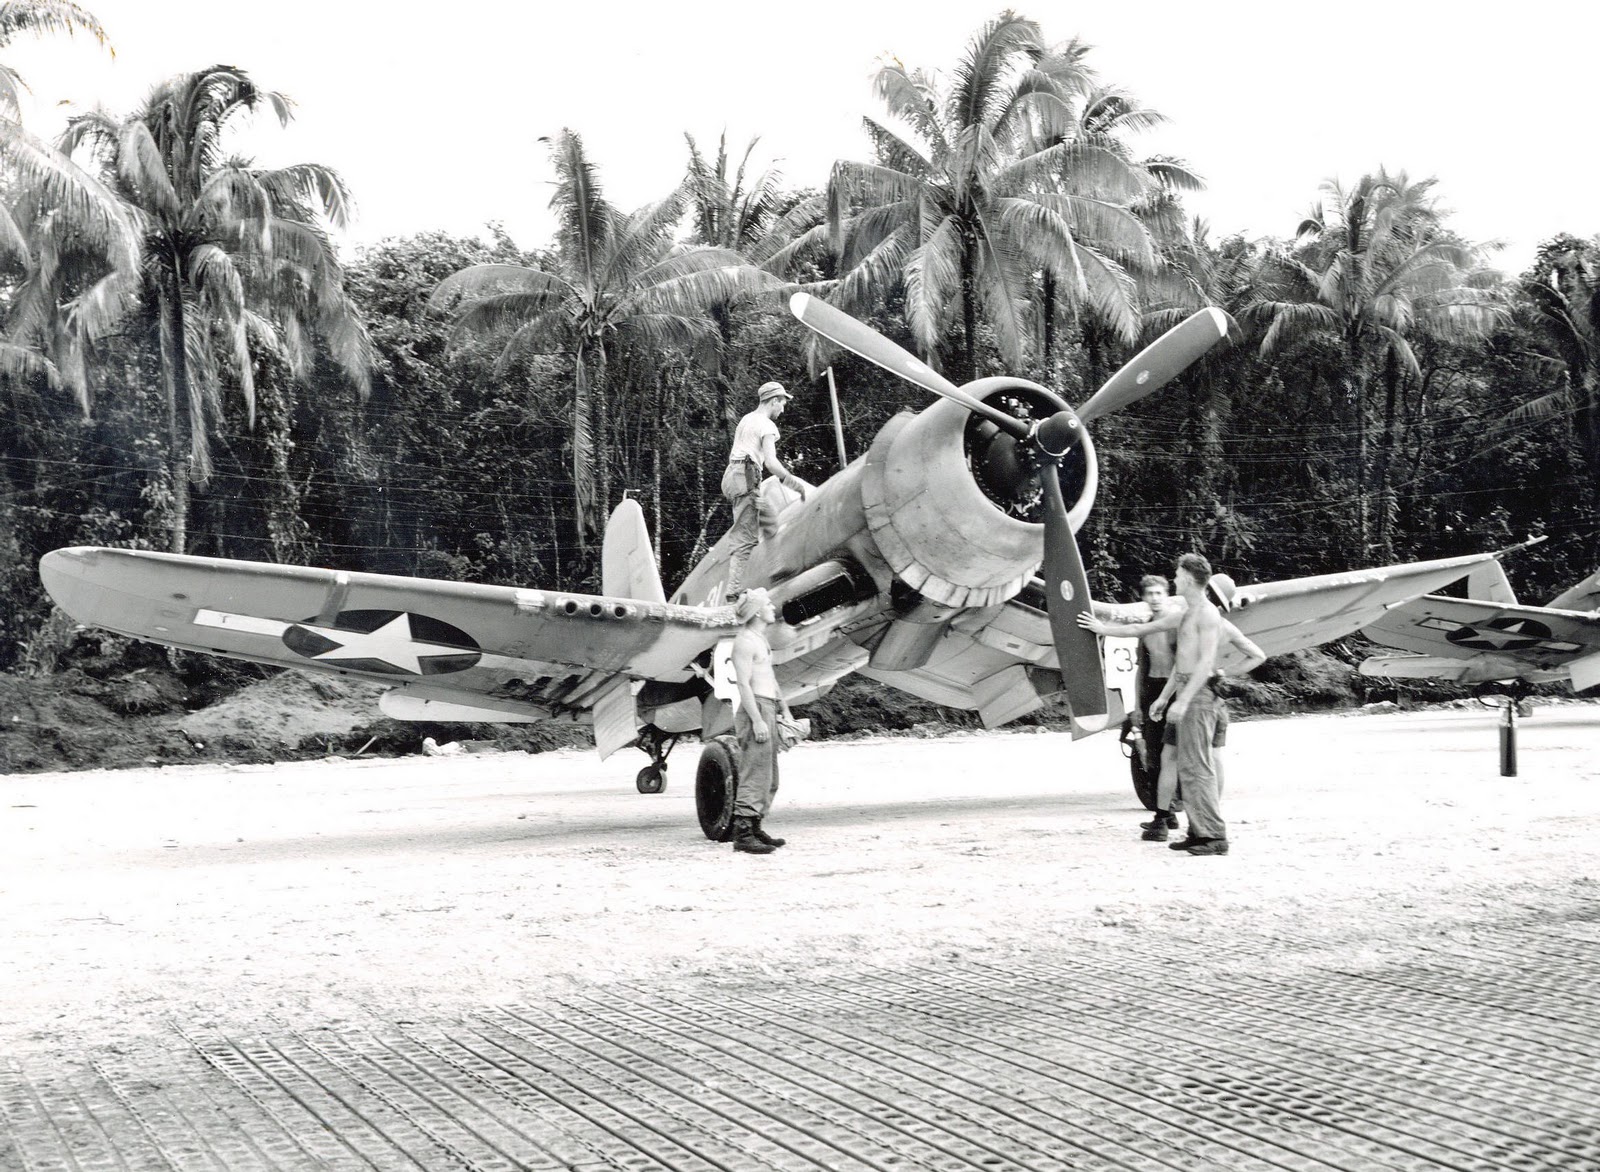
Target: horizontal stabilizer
(1584, 596)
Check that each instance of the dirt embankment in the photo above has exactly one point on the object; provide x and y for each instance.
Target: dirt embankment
(205, 710)
(73, 721)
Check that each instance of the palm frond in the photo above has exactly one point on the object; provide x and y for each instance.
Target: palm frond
(498, 313)
(484, 279)
(583, 218)
(909, 101)
(933, 284)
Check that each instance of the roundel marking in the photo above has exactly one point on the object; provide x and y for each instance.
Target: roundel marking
(387, 642)
(1067, 591)
(1143, 377)
(1507, 634)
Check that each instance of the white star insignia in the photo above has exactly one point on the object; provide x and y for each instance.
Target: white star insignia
(391, 643)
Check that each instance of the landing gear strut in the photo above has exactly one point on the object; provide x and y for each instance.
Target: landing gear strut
(652, 779)
(1512, 700)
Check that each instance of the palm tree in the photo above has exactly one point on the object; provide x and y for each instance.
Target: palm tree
(1563, 290)
(1106, 120)
(71, 239)
(615, 281)
(993, 183)
(1373, 270)
(235, 262)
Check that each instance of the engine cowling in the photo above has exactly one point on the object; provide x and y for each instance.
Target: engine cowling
(953, 503)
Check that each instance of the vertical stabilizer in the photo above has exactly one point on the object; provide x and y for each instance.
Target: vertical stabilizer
(627, 564)
(1488, 583)
(1584, 596)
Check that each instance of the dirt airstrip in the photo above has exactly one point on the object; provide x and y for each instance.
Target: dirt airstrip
(346, 891)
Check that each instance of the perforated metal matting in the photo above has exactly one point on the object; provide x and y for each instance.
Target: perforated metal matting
(1143, 1053)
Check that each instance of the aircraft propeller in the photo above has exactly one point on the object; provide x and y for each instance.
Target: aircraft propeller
(1066, 583)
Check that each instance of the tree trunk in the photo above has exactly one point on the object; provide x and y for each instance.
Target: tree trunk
(1391, 379)
(1048, 299)
(655, 467)
(969, 319)
(175, 369)
(601, 395)
(582, 447)
(1356, 388)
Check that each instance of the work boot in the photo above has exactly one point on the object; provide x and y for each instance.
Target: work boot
(763, 836)
(735, 586)
(1163, 819)
(1211, 846)
(744, 838)
(1155, 830)
(1186, 842)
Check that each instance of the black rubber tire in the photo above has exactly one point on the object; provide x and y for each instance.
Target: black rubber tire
(652, 779)
(1144, 781)
(715, 783)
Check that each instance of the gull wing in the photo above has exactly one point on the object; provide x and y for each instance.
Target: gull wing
(1304, 612)
(474, 652)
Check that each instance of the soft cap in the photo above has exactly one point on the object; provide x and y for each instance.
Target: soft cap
(1220, 589)
(750, 602)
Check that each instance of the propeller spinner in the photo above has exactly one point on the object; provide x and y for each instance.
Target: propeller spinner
(1050, 439)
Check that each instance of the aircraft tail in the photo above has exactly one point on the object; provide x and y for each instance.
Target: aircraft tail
(1488, 583)
(1584, 596)
(627, 563)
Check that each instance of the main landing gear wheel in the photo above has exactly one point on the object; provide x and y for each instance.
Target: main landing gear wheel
(652, 779)
(715, 783)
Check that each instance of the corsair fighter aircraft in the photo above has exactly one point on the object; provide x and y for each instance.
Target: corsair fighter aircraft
(942, 562)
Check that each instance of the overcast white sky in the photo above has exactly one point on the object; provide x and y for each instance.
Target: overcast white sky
(433, 116)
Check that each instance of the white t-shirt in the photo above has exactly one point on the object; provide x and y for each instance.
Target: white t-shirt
(747, 437)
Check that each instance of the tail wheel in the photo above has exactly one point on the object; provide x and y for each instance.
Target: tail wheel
(652, 779)
(716, 781)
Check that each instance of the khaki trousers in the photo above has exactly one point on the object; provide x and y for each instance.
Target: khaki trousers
(758, 761)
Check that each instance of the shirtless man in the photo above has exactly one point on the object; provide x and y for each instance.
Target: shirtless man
(754, 724)
(1157, 653)
(1188, 702)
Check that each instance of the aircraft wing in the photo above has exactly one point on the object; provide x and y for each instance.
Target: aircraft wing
(1472, 641)
(1001, 661)
(457, 651)
(1305, 612)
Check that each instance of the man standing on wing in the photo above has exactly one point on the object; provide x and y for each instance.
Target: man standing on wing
(754, 455)
(755, 724)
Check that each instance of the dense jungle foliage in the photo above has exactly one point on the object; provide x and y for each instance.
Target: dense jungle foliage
(189, 365)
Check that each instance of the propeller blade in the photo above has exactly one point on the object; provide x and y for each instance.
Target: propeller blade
(843, 330)
(1158, 363)
(1066, 597)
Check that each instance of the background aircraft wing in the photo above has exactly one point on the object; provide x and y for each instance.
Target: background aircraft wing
(1304, 612)
(1472, 641)
(497, 651)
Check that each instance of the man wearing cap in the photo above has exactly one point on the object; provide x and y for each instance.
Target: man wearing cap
(755, 724)
(754, 455)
